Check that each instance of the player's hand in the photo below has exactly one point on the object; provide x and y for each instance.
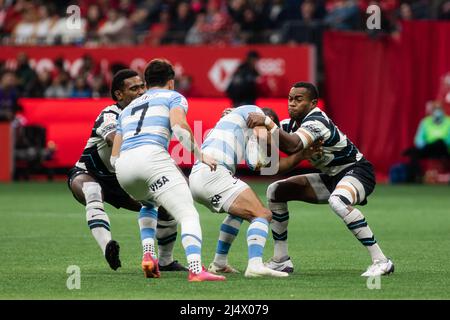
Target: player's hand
(315, 150)
(255, 119)
(209, 161)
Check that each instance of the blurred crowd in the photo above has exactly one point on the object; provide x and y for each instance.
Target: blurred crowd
(194, 22)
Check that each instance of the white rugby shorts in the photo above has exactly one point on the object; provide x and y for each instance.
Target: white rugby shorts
(217, 190)
(147, 171)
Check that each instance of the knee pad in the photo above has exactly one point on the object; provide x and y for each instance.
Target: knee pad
(338, 204)
(271, 189)
(93, 195)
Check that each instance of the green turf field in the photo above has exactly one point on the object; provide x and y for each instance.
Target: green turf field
(43, 231)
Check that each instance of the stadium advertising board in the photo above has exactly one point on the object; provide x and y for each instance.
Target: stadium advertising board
(209, 68)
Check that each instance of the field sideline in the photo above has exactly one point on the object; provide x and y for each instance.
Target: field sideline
(43, 231)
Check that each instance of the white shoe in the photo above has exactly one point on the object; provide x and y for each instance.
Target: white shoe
(285, 266)
(216, 269)
(261, 271)
(379, 268)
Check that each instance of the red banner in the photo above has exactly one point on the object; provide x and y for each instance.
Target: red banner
(6, 157)
(377, 88)
(209, 67)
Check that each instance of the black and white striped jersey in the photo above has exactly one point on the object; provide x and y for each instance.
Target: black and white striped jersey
(338, 151)
(289, 125)
(96, 155)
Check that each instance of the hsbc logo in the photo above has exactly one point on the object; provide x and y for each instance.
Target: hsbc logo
(222, 70)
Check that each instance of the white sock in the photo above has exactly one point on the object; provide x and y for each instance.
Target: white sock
(97, 219)
(356, 223)
(256, 240)
(180, 205)
(279, 226)
(166, 233)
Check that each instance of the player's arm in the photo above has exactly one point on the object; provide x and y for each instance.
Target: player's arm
(116, 148)
(106, 126)
(110, 138)
(290, 162)
(183, 133)
(288, 143)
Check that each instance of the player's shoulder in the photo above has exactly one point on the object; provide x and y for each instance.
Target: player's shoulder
(113, 108)
(316, 115)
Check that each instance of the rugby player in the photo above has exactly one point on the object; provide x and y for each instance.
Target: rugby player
(146, 171)
(221, 192)
(346, 178)
(93, 181)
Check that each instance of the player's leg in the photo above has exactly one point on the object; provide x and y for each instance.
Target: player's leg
(308, 188)
(166, 234)
(229, 229)
(248, 206)
(89, 192)
(179, 203)
(148, 217)
(348, 192)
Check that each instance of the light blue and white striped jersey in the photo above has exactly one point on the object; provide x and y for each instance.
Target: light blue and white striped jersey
(146, 119)
(226, 143)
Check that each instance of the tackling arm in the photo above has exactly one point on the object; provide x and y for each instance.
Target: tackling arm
(288, 143)
(116, 148)
(183, 133)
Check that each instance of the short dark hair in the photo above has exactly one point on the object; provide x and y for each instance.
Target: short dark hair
(118, 80)
(312, 90)
(272, 114)
(158, 72)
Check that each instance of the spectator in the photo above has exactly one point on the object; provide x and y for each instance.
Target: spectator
(307, 29)
(46, 21)
(25, 74)
(115, 29)
(432, 141)
(217, 24)
(434, 131)
(41, 84)
(196, 34)
(59, 87)
(93, 19)
(181, 24)
(251, 27)
(343, 15)
(24, 31)
(9, 95)
(63, 32)
(158, 31)
(81, 89)
(444, 11)
(243, 87)
(99, 87)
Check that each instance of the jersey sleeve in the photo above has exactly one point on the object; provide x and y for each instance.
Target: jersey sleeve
(119, 126)
(178, 100)
(106, 123)
(284, 125)
(311, 131)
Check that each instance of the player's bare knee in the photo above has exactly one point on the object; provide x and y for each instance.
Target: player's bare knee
(339, 204)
